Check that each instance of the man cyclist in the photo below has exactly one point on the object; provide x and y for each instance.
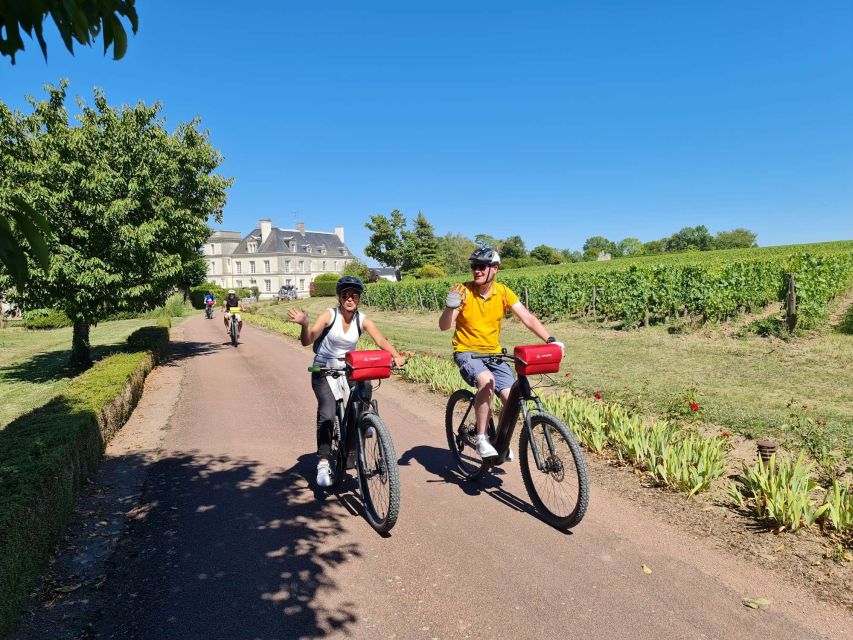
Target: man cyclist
(335, 331)
(478, 308)
(231, 301)
(209, 303)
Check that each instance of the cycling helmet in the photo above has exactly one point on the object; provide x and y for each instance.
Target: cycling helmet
(349, 282)
(485, 254)
(230, 291)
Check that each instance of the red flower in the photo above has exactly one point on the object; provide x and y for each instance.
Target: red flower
(821, 422)
(694, 406)
(568, 375)
(596, 395)
(725, 434)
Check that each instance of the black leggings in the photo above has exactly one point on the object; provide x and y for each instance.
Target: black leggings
(325, 413)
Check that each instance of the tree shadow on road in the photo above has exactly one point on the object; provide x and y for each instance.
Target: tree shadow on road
(222, 548)
(179, 351)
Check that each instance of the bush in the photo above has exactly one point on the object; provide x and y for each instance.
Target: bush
(430, 271)
(196, 294)
(46, 319)
(324, 285)
(154, 339)
(45, 457)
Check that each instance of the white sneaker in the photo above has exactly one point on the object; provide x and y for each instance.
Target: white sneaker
(485, 448)
(324, 474)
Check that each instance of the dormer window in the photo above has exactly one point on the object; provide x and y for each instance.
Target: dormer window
(343, 251)
(253, 246)
(307, 249)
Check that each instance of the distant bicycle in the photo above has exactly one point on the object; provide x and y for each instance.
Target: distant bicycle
(361, 440)
(552, 464)
(208, 311)
(287, 292)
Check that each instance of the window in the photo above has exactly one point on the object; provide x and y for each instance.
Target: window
(336, 265)
(212, 265)
(239, 267)
(324, 265)
(253, 247)
(251, 266)
(267, 285)
(302, 284)
(302, 266)
(239, 283)
(287, 266)
(266, 266)
(212, 249)
(288, 282)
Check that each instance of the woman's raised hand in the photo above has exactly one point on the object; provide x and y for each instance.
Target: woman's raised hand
(298, 316)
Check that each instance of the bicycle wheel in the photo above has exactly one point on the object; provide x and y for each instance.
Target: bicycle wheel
(378, 476)
(233, 332)
(560, 490)
(461, 429)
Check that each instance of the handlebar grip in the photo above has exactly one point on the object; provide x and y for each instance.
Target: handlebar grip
(315, 369)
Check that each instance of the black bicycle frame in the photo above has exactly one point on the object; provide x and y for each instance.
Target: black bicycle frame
(520, 394)
(360, 401)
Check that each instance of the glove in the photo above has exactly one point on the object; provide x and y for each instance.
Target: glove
(454, 299)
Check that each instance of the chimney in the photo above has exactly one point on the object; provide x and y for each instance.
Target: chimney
(339, 231)
(300, 227)
(266, 228)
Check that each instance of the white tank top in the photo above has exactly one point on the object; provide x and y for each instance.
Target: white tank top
(337, 342)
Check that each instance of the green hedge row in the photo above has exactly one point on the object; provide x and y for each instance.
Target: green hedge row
(46, 455)
(324, 285)
(196, 294)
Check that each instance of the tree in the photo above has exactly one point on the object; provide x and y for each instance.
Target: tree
(485, 240)
(513, 247)
(690, 238)
(546, 254)
(735, 239)
(653, 247)
(571, 256)
(454, 251)
(23, 234)
(595, 245)
(629, 247)
(357, 268)
(419, 245)
(429, 271)
(80, 20)
(386, 240)
(128, 204)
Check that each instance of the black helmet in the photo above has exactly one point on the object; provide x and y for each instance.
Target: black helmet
(349, 282)
(485, 254)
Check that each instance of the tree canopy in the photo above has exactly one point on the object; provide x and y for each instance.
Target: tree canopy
(127, 202)
(80, 20)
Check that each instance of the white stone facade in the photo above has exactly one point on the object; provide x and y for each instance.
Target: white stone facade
(269, 257)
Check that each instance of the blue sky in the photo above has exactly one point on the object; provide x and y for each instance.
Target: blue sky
(552, 120)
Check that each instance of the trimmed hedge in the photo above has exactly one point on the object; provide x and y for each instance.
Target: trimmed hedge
(46, 319)
(324, 285)
(46, 455)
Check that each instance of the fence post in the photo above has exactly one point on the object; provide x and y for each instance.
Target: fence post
(526, 298)
(420, 300)
(791, 304)
(435, 299)
(593, 302)
(393, 300)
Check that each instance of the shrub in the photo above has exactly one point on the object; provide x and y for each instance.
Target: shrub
(154, 339)
(430, 271)
(324, 285)
(46, 319)
(196, 294)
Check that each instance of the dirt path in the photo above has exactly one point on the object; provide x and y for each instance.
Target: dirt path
(228, 538)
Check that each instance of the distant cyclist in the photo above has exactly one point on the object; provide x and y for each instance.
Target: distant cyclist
(335, 331)
(478, 308)
(209, 303)
(231, 301)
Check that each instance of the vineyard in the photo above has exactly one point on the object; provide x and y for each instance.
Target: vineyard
(712, 285)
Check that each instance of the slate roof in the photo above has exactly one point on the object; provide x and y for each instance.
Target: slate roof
(278, 242)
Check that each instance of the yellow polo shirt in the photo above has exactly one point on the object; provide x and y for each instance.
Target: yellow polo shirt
(478, 325)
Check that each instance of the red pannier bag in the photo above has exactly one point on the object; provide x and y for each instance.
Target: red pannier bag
(539, 358)
(368, 365)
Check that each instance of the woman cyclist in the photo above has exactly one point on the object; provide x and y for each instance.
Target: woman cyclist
(335, 331)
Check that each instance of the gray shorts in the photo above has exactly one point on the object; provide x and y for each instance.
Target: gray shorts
(470, 368)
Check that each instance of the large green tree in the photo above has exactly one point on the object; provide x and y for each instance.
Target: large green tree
(127, 201)
(697, 238)
(421, 246)
(513, 247)
(455, 250)
(546, 254)
(735, 239)
(386, 242)
(80, 20)
(596, 244)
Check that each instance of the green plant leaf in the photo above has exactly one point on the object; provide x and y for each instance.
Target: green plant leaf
(756, 603)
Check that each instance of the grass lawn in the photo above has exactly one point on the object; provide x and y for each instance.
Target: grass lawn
(34, 368)
(743, 384)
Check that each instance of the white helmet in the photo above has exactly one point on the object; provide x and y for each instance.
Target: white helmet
(230, 291)
(485, 254)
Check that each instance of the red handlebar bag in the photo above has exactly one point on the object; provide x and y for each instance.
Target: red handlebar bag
(540, 358)
(368, 365)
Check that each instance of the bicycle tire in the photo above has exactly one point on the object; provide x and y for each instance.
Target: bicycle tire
(233, 332)
(564, 463)
(378, 475)
(460, 406)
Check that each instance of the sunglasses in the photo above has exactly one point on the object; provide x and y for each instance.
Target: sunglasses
(350, 293)
(480, 266)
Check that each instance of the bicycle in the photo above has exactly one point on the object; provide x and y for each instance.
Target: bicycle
(356, 424)
(208, 312)
(558, 471)
(233, 328)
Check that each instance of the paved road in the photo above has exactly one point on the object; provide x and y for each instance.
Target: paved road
(235, 542)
